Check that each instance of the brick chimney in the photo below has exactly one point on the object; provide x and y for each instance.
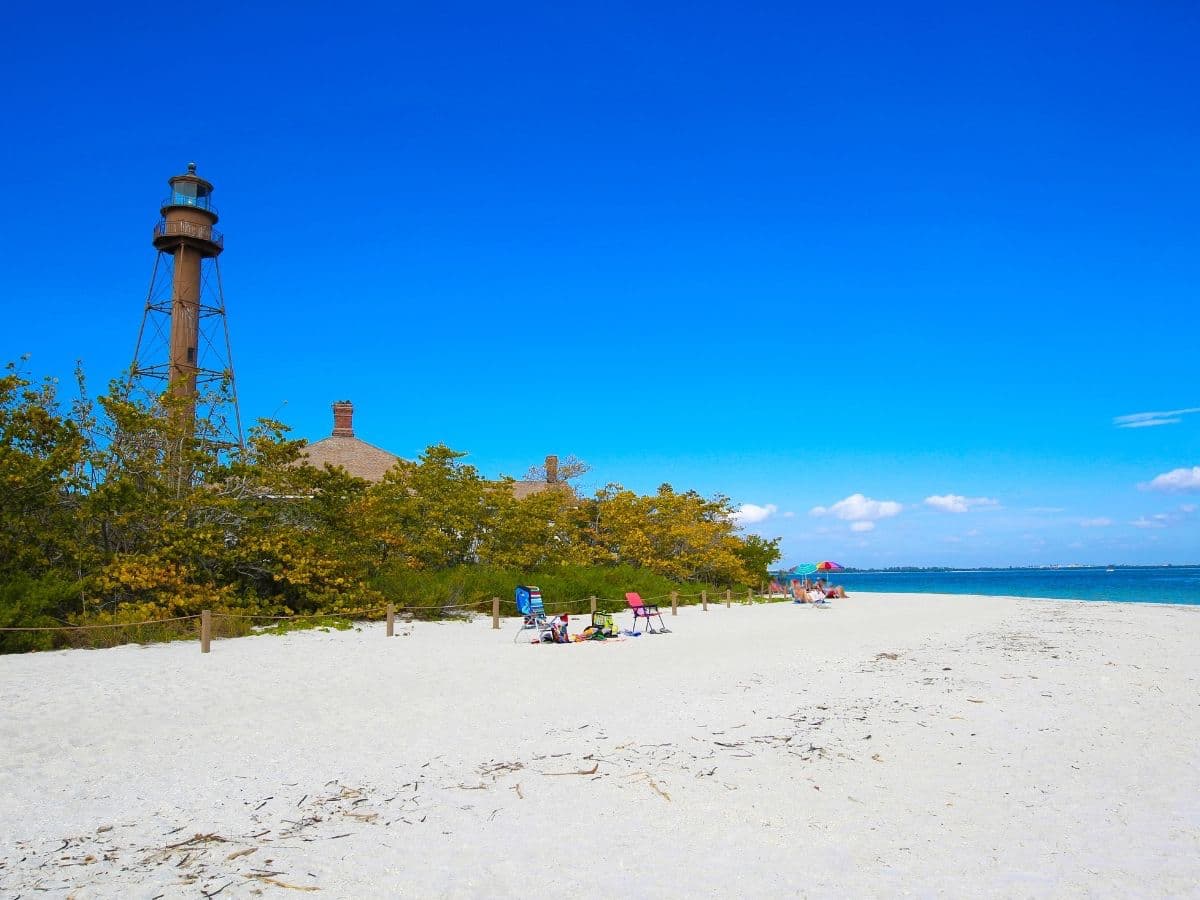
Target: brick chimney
(551, 469)
(343, 419)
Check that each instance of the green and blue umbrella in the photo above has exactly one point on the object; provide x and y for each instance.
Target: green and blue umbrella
(783, 575)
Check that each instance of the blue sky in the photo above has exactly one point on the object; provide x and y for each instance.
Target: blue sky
(887, 272)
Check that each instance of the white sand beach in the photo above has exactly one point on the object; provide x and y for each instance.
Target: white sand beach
(894, 744)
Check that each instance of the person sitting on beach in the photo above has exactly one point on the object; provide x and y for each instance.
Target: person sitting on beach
(830, 591)
(803, 592)
(559, 629)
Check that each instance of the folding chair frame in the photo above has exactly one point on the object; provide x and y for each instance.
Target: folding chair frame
(644, 610)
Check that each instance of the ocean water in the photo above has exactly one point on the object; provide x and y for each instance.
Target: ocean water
(1151, 584)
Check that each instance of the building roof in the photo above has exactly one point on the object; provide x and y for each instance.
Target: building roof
(344, 450)
(362, 460)
(523, 489)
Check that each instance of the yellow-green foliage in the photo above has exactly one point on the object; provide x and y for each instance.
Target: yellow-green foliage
(680, 535)
(109, 515)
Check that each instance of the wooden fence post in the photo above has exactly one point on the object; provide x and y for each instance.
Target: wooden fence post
(674, 603)
(728, 597)
(593, 599)
(205, 629)
(704, 600)
(495, 613)
(749, 595)
(391, 619)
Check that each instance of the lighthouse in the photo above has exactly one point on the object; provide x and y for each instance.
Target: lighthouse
(183, 351)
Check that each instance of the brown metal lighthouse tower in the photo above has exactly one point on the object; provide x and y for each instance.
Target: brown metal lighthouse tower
(183, 353)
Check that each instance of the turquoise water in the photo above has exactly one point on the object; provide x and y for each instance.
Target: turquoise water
(1151, 584)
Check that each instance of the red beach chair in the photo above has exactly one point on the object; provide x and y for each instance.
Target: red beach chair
(643, 610)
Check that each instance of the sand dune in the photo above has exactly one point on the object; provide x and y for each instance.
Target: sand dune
(936, 745)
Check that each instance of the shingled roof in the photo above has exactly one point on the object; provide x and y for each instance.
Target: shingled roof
(523, 489)
(343, 449)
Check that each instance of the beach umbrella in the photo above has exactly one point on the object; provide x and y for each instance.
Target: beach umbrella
(827, 566)
(794, 572)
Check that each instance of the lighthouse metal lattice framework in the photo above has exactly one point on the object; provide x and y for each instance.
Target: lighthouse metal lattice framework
(183, 360)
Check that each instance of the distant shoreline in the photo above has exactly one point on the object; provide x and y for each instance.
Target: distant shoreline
(897, 570)
(1125, 584)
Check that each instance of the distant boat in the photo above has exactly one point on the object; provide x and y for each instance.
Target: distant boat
(1110, 570)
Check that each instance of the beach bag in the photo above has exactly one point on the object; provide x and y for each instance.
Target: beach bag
(605, 622)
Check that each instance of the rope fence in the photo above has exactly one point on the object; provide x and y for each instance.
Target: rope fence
(389, 612)
(105, 625)
(224, 615)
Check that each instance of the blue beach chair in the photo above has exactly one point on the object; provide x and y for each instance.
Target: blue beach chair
(530, 605)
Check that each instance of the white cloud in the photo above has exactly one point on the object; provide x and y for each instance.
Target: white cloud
(863, 526)
(1100, 522)
(1158, 521)
(956, 503)
(789, 515)
(750, 513)
(1162, 520)
(1144, 423)
(1150, 419)
(857, 508)
(1184, 479)
(1188, 508)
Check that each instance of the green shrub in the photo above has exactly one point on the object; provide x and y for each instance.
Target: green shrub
(28, 601)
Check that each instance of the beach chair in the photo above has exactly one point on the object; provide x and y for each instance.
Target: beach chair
(530, 605)
(643, 610)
